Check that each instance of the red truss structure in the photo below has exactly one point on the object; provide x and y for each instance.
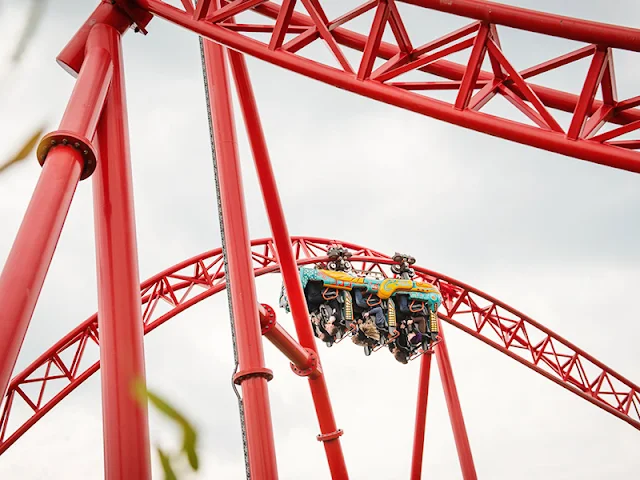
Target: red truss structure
(92, 141)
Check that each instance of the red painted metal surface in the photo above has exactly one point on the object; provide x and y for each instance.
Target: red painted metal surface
(95, 53)
(533, 21)
(455, 411)
(421, 417)
(280, 338)
(282, 241)
(533, 100)
(66, 155)
(64, 366)
(72, 55)
(125, 419)
(255, 395)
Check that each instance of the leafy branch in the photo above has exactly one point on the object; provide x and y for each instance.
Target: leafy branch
(33, 21)
(189, 434)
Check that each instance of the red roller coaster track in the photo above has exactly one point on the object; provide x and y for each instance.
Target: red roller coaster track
(191, 281)
(92, 140)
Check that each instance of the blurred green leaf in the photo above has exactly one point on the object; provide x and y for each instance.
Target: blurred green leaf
(189, 435)
(169, 474)
(25, 150)
(188, 432)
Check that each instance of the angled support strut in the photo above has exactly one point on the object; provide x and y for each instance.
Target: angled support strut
(67, 156)
(291, 279)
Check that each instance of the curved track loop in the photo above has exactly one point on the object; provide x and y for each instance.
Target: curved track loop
(308, 22)
(60, 369)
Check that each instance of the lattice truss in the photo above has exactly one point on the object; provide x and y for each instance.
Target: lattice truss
(464, 69)
(54, 375)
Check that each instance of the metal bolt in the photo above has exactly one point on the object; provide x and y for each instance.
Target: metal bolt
(85, 152)
(76, 145)
(65, 141)
(53, 142)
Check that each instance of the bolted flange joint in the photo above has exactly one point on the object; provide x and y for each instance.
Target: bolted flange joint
(269, 319)
(312, 370)
(70, 139)
(242, 375)
(327, 437)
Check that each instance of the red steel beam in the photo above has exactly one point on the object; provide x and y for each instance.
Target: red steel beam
(615, 157)
(421, 417)
(282, 240)
(67, 156)
(72, 55)
(125, 419)
(252, 374)
(280, 338)
(538, 22)
(552, 98)
(204, 273)
(455, 410)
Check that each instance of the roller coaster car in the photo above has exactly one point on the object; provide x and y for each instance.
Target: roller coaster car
(331, 293)
(330, 312)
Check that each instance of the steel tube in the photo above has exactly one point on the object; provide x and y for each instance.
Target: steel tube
(287, 260)
(260, 440)
(28, 262)
(281, 339)
(72, 55)
(125, 419)
(551, 98)
(284, 342)
(455, 410)
(421, 417)
(26, 267)
(553, 141)
(540, 22)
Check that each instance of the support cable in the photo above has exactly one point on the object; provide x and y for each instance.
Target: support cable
(226, 264)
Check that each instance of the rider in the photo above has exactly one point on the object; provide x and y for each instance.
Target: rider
(378, 314)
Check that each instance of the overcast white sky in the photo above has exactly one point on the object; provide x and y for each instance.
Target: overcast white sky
(552, 236)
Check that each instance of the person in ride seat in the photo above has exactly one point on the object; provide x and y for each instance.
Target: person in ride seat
(325, 333)
(404, 340)
(399, 354)
(366, 334)
(331, 328)
(378, 314)
(368, 328)
(414, 338)
(419, 321)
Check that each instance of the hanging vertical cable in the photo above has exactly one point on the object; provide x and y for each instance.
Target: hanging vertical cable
(226, 264)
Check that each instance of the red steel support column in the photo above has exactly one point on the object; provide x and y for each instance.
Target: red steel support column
(252, 375)
(69, 157)
(421, 417)
(455, 411)
(330, 433)
(125, 420)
